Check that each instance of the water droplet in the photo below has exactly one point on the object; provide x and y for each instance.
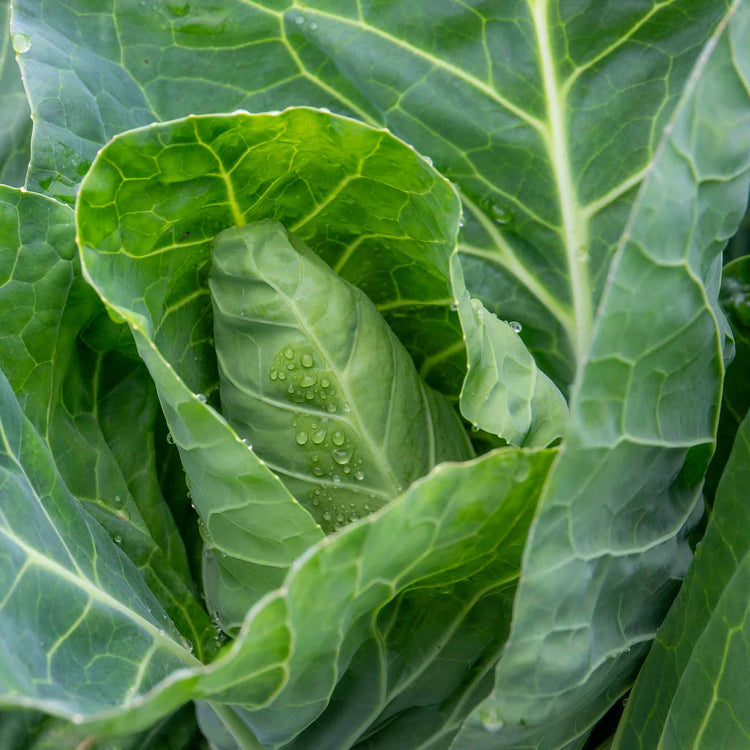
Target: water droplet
(301, 437)
(325, 382)
(461, 221)
(290, 366)
(118, 499)
(318, 471)
(318, 436)
(273, 374)
(315, 501)
(308, 380)
(501, 215)
(338, 437)
(515, 326)
(428, 160)
(454, 306)
(186, 644)
(170, 439)
(189, 494)
(331, 407)
(491, 718)
(202, 398)
(360, 475)
(21, 43)
(179, 10)
(336, 478)
(299, 20)
(307, 360)
(326, 516)
(118, 539)
(290, 389)
(313, 26)
(289, 352)
(282, 375)
(342, 455)
(475, 428)
(366, 507)
(354, 516)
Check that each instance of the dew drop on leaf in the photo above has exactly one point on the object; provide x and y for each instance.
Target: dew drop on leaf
(515, 326)
(338, 437)
(21, 43)
(301, 437)
(170, 439)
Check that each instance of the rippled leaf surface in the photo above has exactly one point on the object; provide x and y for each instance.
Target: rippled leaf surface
(692, 691)
(313, 377)
(102, 638)
(302, 660)
(607, 537)
(78, 382)
(546, 114)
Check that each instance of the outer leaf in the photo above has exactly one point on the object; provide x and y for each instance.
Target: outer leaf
(32, 730)
(693, 691)
(546, 113)
(15, 120)
(735, 301)
(102, 638)
(602, 558)
(300, 641)
(504, 392)
(313, 376)
(79, 399)
(147, 214)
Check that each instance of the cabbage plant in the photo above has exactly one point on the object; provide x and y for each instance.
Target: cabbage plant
(374, 374)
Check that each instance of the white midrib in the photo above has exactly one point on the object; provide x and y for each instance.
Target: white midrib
(575, 225)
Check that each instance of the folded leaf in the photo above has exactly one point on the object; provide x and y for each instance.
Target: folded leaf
(148, 212)
(312, 376)
(604, 555)
(693, 691)
(357, 590)
(15, 119)
(504, 392)
(101, 639)
(735, 402)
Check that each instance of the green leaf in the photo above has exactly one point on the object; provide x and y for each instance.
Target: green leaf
(546, 116)
(147, 214)
(102, 639)
(693, 691)
(735, 301)
(32, 730)
(603, 556)
(15, 120)
(307, 645)
(80, 400)
(504, 392)
(315, 379)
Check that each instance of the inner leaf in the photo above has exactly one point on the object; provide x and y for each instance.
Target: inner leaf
(314, 379)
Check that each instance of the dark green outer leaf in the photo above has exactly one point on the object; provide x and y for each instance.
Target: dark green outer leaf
(79, 400)
(602, 558)
(15, 117)
(546, 113)
(147, 213)
(693, 689)
(102, 638)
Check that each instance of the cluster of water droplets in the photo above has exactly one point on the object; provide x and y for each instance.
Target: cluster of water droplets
(333, 459)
